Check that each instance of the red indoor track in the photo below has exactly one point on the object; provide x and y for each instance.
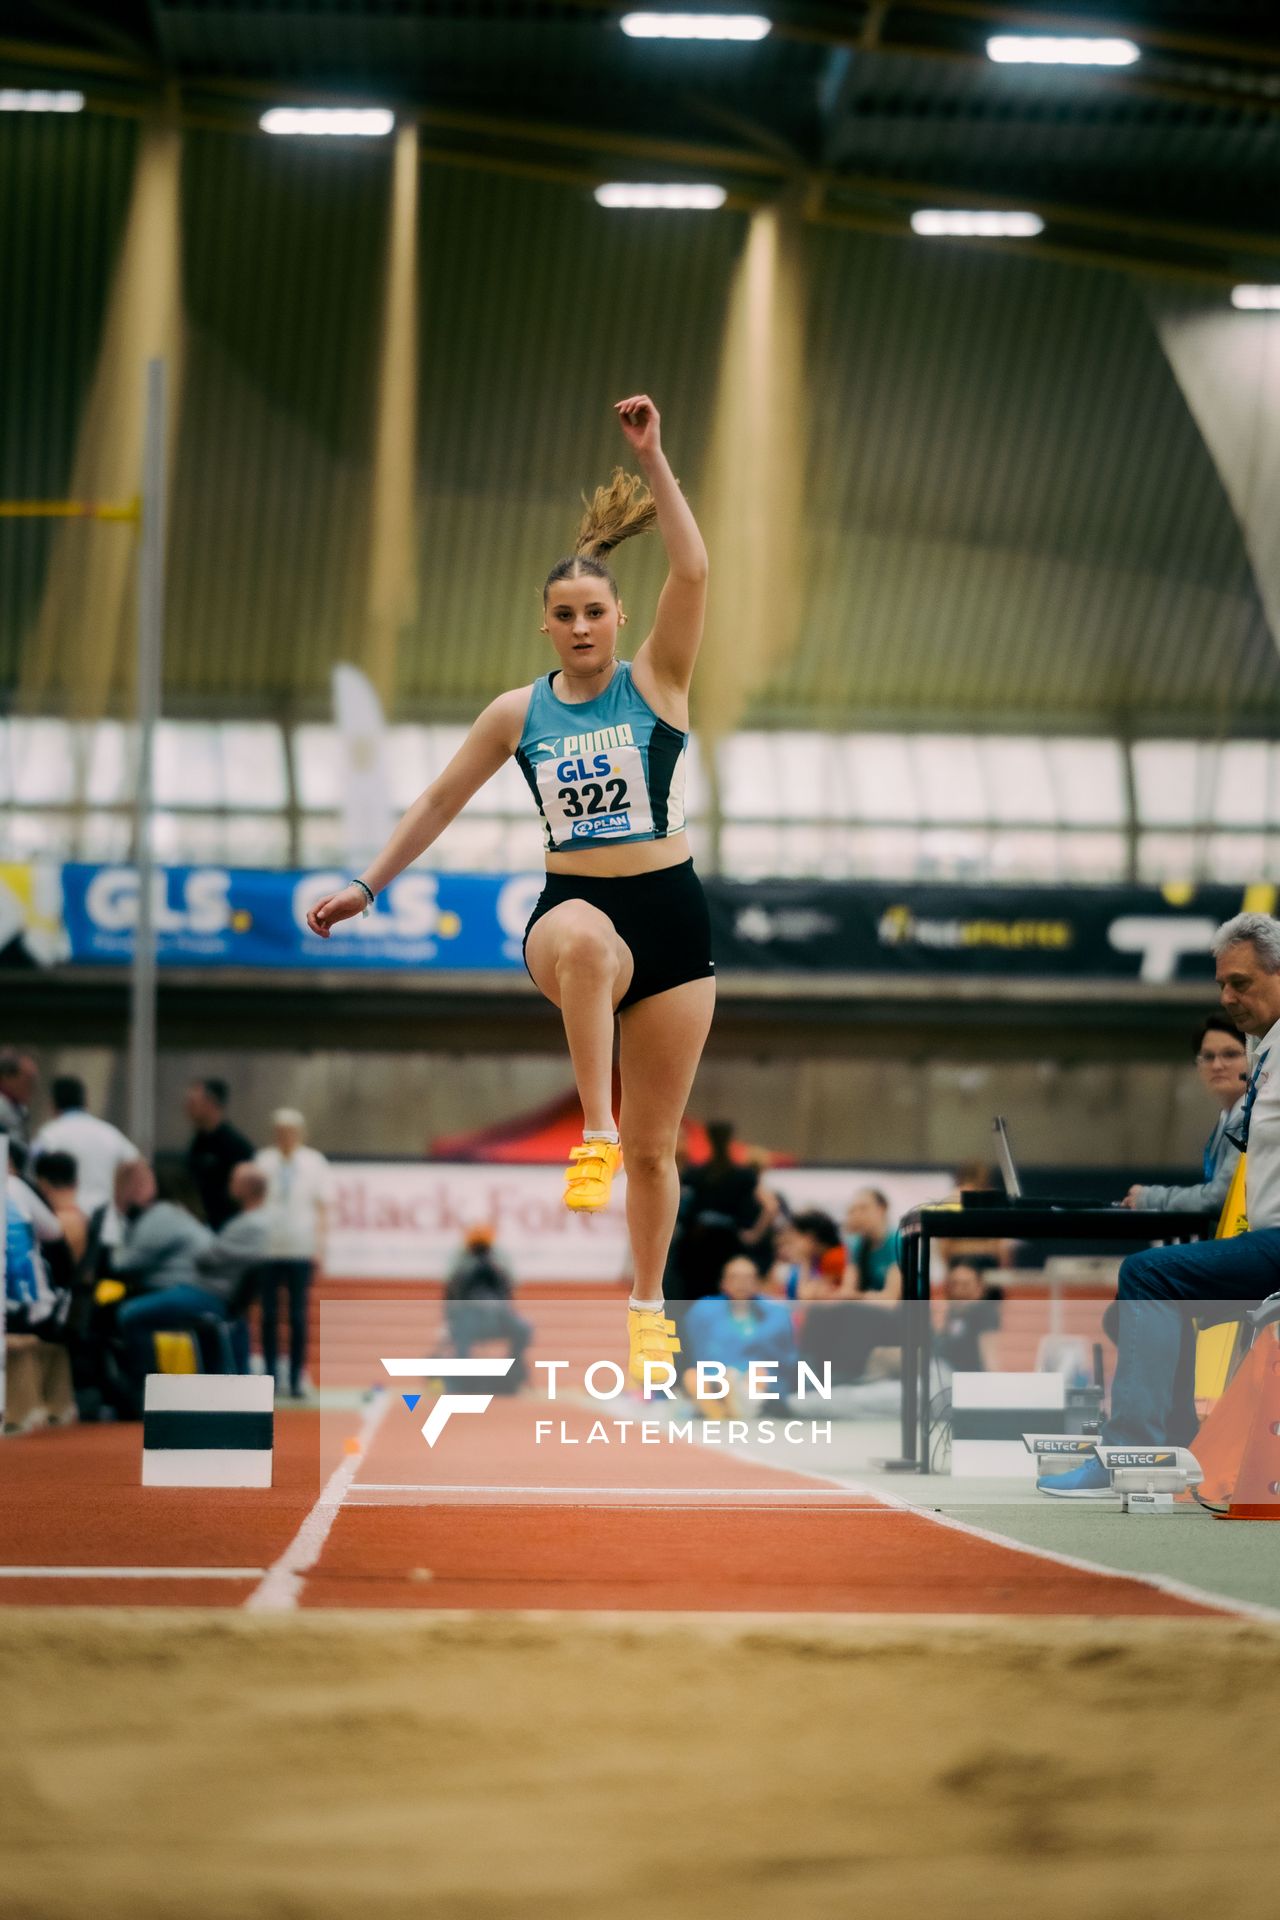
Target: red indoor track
(715, 1535)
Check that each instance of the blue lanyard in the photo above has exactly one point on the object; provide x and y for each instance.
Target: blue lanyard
(1241, 1139)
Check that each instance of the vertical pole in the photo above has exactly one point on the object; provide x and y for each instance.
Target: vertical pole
(142, 1012)
(1132, 821)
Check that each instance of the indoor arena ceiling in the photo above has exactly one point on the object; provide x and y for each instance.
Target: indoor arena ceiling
(1013, 520)
(1177, 159)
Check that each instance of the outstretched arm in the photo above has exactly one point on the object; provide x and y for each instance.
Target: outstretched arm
(491, 741)
(672, 647)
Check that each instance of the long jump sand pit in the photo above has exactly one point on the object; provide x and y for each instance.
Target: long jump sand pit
(226, 1767)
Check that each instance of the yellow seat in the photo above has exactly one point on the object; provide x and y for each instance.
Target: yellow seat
(176, 1353)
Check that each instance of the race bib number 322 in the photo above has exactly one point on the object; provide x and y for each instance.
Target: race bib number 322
(595, 796)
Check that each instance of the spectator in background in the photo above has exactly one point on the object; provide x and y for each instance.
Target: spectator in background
(870, 1314)
(736, 1326)
(30, 1227)
(98, 1149)
(722, 1211)
(965, 1341)
(478, 1292)
(871, 1242)
(216, 1148)
(298, 1185)
(157, 1260)
(39, 1391)
(1221, 1058)
(230, 1265)
(811, 1258)
(18, 1077)
(57, 1179)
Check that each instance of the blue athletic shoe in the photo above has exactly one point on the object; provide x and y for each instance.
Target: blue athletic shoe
(1089, 1481)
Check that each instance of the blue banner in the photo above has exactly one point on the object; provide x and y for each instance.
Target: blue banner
(240, 917)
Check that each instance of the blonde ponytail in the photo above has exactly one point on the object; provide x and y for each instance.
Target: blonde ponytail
(614, 514)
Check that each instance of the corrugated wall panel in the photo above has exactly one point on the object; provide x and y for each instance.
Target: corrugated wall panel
(541, 309)
(284, 256)
(64, 190)
(1014, 516)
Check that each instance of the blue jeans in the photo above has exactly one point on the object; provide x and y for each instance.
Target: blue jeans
(173, 1310)
(294, 1276)
(1162, 1292)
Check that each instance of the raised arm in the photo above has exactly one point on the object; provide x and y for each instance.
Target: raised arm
(491, 741)
(672, 647)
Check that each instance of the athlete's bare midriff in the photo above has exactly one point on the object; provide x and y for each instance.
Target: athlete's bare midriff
(620, 863)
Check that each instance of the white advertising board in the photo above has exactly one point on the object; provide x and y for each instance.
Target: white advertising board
(405, 1220)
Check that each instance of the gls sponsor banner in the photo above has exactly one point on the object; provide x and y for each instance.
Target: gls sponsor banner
(241, 917)
(1107, 932)
(221, 916)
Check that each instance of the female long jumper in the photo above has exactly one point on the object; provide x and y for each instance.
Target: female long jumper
(620, 932)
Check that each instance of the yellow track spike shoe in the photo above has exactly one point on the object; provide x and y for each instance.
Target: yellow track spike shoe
(589, 1175)
(652, 1337)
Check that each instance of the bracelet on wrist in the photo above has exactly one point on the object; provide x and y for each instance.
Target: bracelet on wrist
(368, 893)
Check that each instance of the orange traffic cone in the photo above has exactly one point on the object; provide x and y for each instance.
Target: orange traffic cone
(1224, 1435)
(1256, 1495)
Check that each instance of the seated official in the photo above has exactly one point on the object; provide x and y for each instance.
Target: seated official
(1165, 1292)
(1220, 1058)
(735, 1327)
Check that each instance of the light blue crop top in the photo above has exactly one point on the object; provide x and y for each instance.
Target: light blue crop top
(602, 771)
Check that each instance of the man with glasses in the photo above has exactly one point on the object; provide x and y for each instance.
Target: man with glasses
(1164, 1291)
(1221, 1058)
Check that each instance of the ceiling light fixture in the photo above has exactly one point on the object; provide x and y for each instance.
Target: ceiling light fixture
(368, 123)
(1256, 299)
(1054, 50)
(696, 26)
(951, 223)
(675, 194)
(39, 100)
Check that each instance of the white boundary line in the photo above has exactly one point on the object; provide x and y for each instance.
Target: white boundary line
(282, 1583)
(131, 1573)
(481, 1490)
(1160, 1582)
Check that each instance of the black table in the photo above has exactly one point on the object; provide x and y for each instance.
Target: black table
(924, 1224)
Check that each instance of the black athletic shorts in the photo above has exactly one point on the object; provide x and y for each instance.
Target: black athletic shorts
(662, 917)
